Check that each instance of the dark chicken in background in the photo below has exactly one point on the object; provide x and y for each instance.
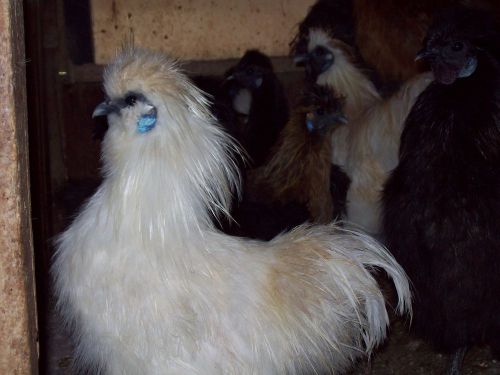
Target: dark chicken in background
(297, 183)
(442, 203)
(259, 104)
(389, 32)
(221, 102)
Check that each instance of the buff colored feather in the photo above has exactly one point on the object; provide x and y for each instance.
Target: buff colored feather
(299, 169)
(149, 286)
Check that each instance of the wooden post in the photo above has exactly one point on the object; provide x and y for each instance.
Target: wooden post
(18, 349)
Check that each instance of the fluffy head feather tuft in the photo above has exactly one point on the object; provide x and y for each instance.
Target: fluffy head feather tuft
(185, 143)
(335, 17)
(341, 71)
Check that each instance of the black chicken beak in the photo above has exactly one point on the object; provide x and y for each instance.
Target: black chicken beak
(421, 55)
(300, 59)
(318, 61)
(341, 119)
(321, 124)
(425, 54)
(104, 109)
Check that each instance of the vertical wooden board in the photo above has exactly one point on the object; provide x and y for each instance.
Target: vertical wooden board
(197, 29)
(17, 306)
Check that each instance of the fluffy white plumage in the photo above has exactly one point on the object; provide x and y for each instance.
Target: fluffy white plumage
(150, 287)
(367, 147)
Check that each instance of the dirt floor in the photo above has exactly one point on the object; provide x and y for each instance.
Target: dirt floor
(400, 355)
(405, 355)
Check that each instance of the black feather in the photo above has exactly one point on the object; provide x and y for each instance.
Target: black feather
(269, 111)
(264, 220)
(442, 202)
(339, 185)
(220, 100)
(335, 17)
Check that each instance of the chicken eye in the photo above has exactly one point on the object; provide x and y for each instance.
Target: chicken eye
(320, 51)
(250, 71)
(130, 100)
(457, 46)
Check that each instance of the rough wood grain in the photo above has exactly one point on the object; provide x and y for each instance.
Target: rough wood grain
(197, 29)
(17, 306)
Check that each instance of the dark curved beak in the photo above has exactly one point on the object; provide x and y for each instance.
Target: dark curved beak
(104, 109)
(425, 54)
(317, 65)
(342, 120)
(316, 62)
(237, 76)
(300, 59)
(320, 125)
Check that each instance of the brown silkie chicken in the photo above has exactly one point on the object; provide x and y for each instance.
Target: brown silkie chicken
(300, 168)
(297, 183)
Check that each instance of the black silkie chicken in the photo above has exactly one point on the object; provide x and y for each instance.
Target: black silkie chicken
(442, 203)
(259, 99)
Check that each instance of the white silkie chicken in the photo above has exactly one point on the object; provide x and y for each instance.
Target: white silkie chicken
(149, 286)
(367, 148)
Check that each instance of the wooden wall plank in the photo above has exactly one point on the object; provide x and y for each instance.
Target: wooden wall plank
(197, 29)
(18, 354)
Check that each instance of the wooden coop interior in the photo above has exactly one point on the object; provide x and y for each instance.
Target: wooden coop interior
(67, 43)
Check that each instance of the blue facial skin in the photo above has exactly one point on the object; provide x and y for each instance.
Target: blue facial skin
(320, 123)
(469, 68)
(310, 125)
(146, 122)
